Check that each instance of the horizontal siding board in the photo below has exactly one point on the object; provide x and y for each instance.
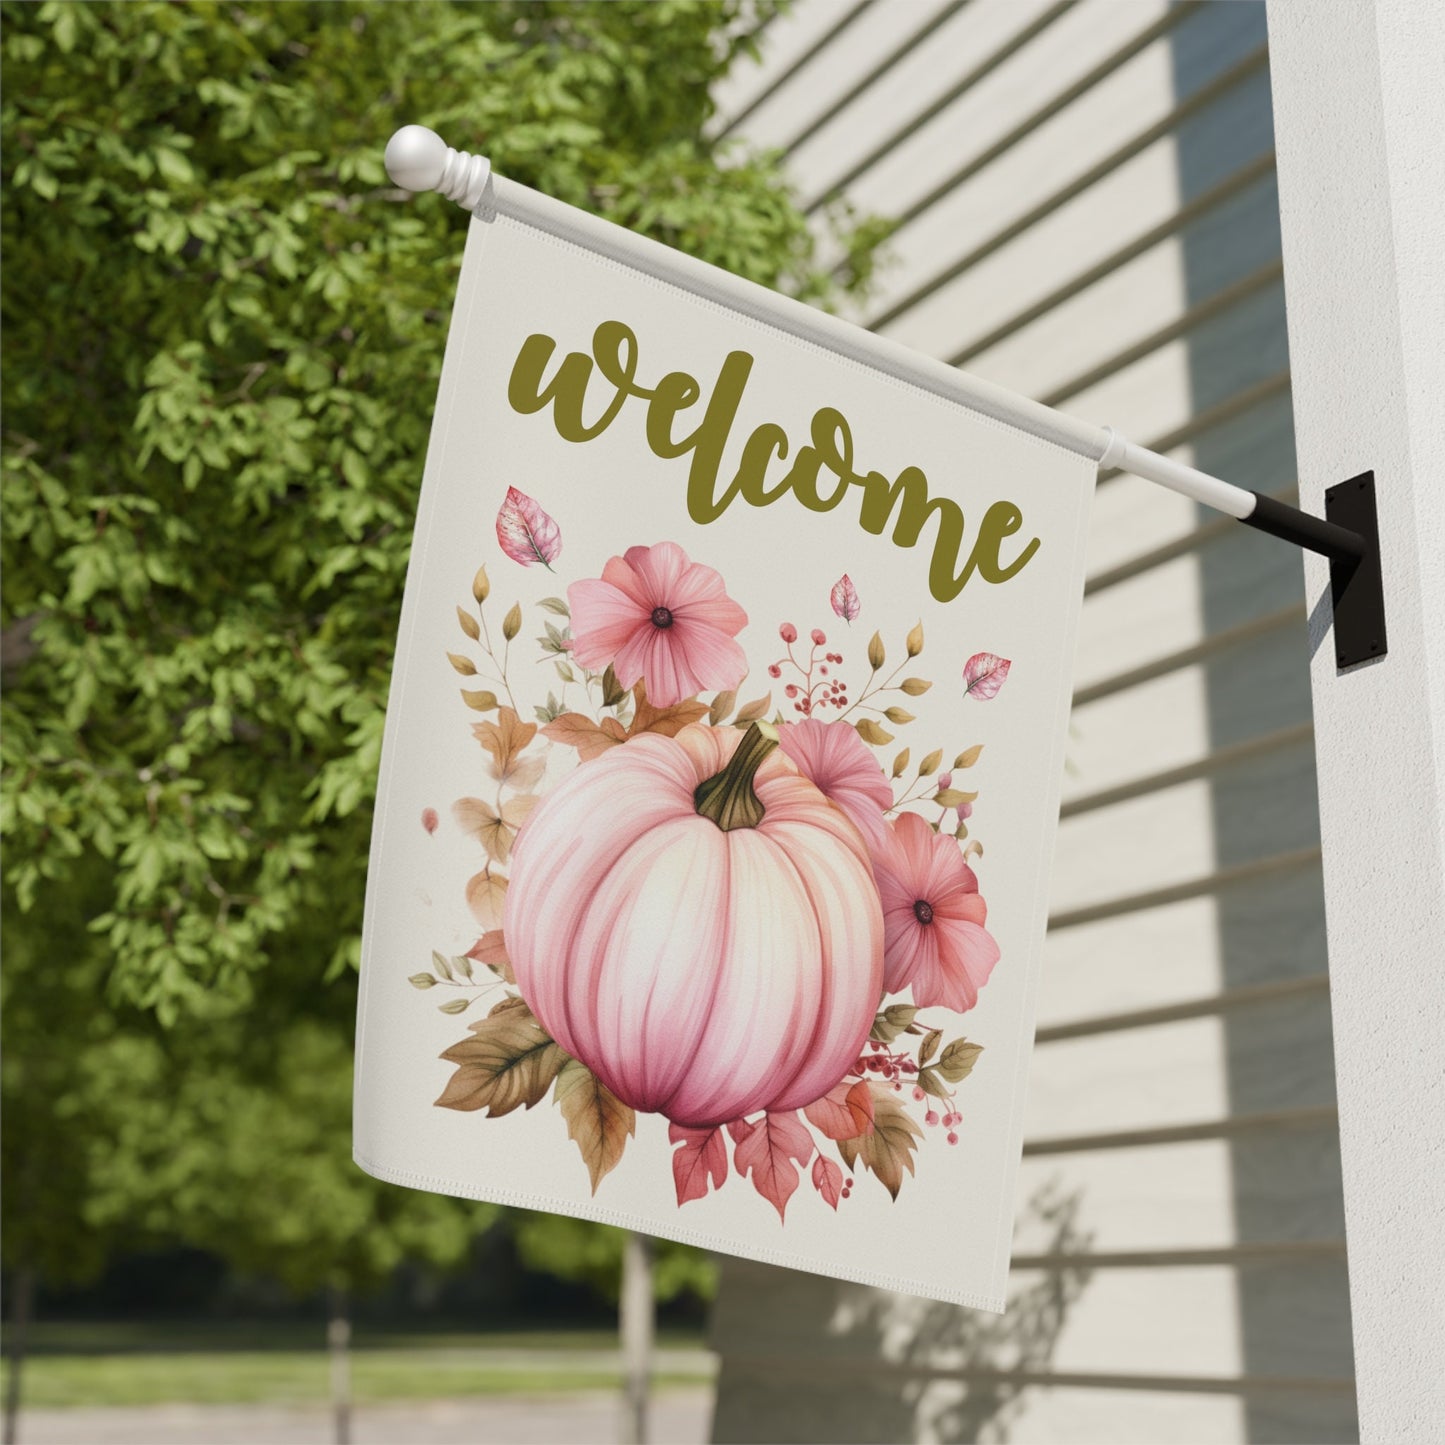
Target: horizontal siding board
(1141, 1079)
(1217, 214)
(891, 46)
(1006, 105)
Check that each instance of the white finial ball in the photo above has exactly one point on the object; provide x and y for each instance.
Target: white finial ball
(415, 158)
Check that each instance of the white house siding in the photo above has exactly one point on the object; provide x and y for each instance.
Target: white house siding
(1092, 220)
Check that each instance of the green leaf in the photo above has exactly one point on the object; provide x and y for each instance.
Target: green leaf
(957, 1060)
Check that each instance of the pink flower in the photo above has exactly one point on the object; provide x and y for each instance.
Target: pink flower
(657, 616)
(838, 763)
(934, 941)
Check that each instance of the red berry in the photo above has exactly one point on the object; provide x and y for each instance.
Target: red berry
(918, 1095)
(788, 632)
(818, 638)
(774, 670)
(909, 1067)
(791, 690)
(931, 1117)
(952, 1137)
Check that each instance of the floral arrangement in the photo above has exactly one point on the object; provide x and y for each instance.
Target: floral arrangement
(756, 921)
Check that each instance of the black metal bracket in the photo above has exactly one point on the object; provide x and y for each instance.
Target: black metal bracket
(1349, 535)
(1357, 588)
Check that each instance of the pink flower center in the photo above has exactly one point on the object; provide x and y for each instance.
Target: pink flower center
(662, 617)
(923, 911)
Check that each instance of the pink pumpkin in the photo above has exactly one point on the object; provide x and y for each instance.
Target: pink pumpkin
(699, 925)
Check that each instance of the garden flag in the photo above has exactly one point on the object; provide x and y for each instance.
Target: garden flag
(721, 771)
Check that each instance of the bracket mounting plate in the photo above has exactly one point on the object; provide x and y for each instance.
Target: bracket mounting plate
(1357, 586)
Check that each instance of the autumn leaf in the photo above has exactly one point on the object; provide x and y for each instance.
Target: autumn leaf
(953, 798)
(505, 738)
(703, 1156)
(492, 829)
(900, 763)
(876, 654)
(491, 949)
(844, 1112)
(482, 701)
(509, 1005)
(485, 894)
(508, 1063)
(914, 642)
(872, 734)
(722, 705)
(984, 674)
(956, 1062)
(914, 686)
(768, 1154)
(463, 665)
(470, 625)
(740, 1129)
(750, 712)
(931, 1082)
(828, 1181)
(888, 1149)
(481, 587)
(527, 534)
(930, 764)
(968, 757)
(613, 691)
(844, 598)
(929, 1046)
(669, 721)
(974, 850)
(575, 730)
(597, 1119)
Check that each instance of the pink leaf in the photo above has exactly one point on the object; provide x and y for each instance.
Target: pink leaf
(703, 1156)
(827, 1180)
(984, 674)
(429, 819)
(768, 1153)
(740, 1129)
(526, 532)
(844, 1112)
(491, 949)
(844, 598)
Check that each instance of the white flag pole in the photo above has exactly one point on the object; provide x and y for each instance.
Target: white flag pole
(417, 159)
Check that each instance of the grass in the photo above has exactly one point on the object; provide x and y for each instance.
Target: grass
(102, 1365)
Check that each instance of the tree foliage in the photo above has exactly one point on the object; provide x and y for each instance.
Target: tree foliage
(223, 329)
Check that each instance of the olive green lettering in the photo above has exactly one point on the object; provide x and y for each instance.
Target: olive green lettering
(904, 502)
(1001, 520)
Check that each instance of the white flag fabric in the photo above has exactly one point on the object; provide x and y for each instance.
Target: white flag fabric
(717, 800)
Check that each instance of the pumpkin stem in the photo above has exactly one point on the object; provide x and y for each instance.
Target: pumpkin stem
(728, 797)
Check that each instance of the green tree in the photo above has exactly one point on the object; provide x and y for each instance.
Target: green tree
(222, 330)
